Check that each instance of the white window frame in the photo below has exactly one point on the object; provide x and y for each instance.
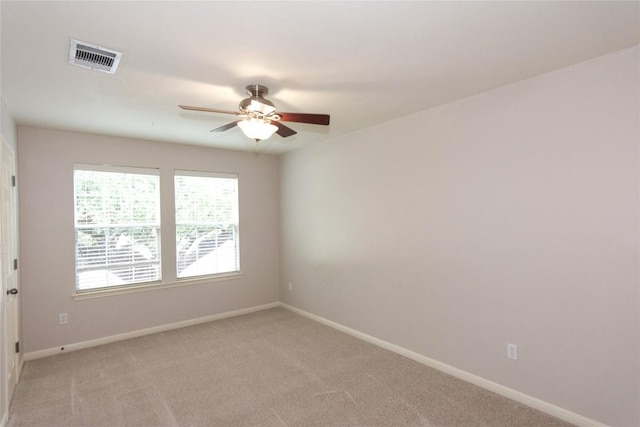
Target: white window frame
(166, 233)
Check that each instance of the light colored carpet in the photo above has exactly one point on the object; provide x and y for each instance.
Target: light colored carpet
(270, 368)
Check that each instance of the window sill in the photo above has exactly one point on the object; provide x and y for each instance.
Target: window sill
(98, 293)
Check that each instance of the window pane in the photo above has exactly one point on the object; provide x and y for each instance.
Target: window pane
(117, 224)
(206, 225)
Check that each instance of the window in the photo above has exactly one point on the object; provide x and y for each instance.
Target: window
(206, 223)
(117, 226)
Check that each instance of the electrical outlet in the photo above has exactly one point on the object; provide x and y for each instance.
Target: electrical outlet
(512, 351)
(62, 318)
(290, 286)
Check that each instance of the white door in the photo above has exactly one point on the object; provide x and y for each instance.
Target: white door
(9, 248)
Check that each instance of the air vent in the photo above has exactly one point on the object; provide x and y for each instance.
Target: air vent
(94, 57)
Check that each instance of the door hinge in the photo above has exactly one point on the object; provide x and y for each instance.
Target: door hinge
(15, 264)
(17, 346)
(13, 180)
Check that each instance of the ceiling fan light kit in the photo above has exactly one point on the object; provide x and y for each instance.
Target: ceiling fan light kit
(258, 117)
(257, 129)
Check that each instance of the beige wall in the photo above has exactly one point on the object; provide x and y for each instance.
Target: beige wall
(508, 217)
(45, 166)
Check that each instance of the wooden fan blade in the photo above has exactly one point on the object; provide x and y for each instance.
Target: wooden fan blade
(225, 127)
(208, 110)
(283, 131)
(314, 119)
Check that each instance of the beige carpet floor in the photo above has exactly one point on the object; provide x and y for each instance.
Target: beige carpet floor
(270, 368)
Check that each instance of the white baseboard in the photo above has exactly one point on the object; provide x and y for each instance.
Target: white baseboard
(141, 332)
(525, 399)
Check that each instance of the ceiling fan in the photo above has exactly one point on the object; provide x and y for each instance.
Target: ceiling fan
(258, 117)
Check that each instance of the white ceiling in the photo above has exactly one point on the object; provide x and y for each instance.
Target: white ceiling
(361, 62)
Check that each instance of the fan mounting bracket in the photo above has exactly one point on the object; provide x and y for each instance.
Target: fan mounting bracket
(257, 90)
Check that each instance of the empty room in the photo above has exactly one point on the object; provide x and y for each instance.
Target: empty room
(320, 213)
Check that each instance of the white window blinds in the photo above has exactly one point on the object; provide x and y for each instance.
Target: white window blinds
(117, 224)
(206, 223)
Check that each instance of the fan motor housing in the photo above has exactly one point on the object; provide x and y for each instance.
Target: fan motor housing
(256, 102)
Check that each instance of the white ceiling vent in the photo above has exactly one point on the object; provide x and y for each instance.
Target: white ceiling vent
(94, 57)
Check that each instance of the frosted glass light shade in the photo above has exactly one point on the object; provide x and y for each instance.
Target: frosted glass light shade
(257, 129)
